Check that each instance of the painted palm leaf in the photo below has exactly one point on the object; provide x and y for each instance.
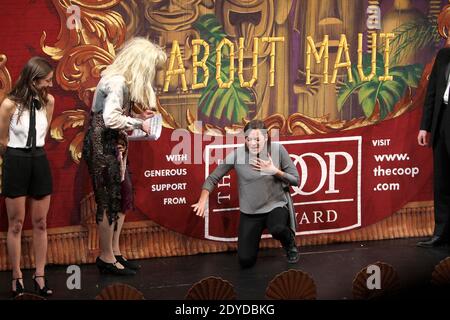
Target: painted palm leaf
(414, 36)
(210, 29)
(224, 103)
(220, 105)
(386, 93)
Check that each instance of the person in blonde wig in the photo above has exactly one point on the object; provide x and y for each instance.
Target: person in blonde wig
(127, 82)
(137, 63)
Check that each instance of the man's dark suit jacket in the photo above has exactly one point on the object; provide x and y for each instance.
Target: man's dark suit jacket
(435, 92)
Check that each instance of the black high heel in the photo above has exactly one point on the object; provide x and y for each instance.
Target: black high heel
(127, 263)
(19, 287)
(111, 268)
(45, 291)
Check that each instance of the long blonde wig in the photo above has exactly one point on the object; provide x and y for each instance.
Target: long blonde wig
(137, 61)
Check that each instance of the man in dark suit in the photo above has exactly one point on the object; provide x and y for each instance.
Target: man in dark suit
(435, 132)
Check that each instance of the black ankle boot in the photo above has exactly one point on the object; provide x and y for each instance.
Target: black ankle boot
(292, 255)
(127, 263)
(292, 251)
(111, 268)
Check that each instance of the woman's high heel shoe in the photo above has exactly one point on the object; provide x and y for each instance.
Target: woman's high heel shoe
(111, 268)
(127, 263)
(45, 291)
(19, 287)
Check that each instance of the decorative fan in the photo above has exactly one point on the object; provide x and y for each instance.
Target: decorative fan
(211, 288)
(28, 296)
(291, 285)
(441, 273)
(120, 291)
(389, 282)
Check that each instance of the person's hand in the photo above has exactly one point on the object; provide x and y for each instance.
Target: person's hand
(121, 148)
(200, 207)
(422, 138)
(146, 126)
(265, 166)
(146, 114)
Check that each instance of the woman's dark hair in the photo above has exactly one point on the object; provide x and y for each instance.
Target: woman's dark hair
(257, 125)
(24, 90)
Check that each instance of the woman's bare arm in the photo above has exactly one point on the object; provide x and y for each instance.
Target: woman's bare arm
(7, 109)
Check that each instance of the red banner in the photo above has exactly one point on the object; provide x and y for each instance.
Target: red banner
(348, 180)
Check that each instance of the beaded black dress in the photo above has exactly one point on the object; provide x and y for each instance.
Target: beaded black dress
(107, 131)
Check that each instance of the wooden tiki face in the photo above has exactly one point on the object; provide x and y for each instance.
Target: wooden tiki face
(249, 19)
(171, 15)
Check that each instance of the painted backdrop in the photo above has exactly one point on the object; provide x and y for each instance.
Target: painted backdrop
(341, 81)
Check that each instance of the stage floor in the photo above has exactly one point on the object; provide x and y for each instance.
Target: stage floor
(332, 267)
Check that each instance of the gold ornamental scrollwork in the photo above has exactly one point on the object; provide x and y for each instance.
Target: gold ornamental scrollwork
(82, 52)
(5, 77)
(79, 70)
(70, 119)
(5, 87)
